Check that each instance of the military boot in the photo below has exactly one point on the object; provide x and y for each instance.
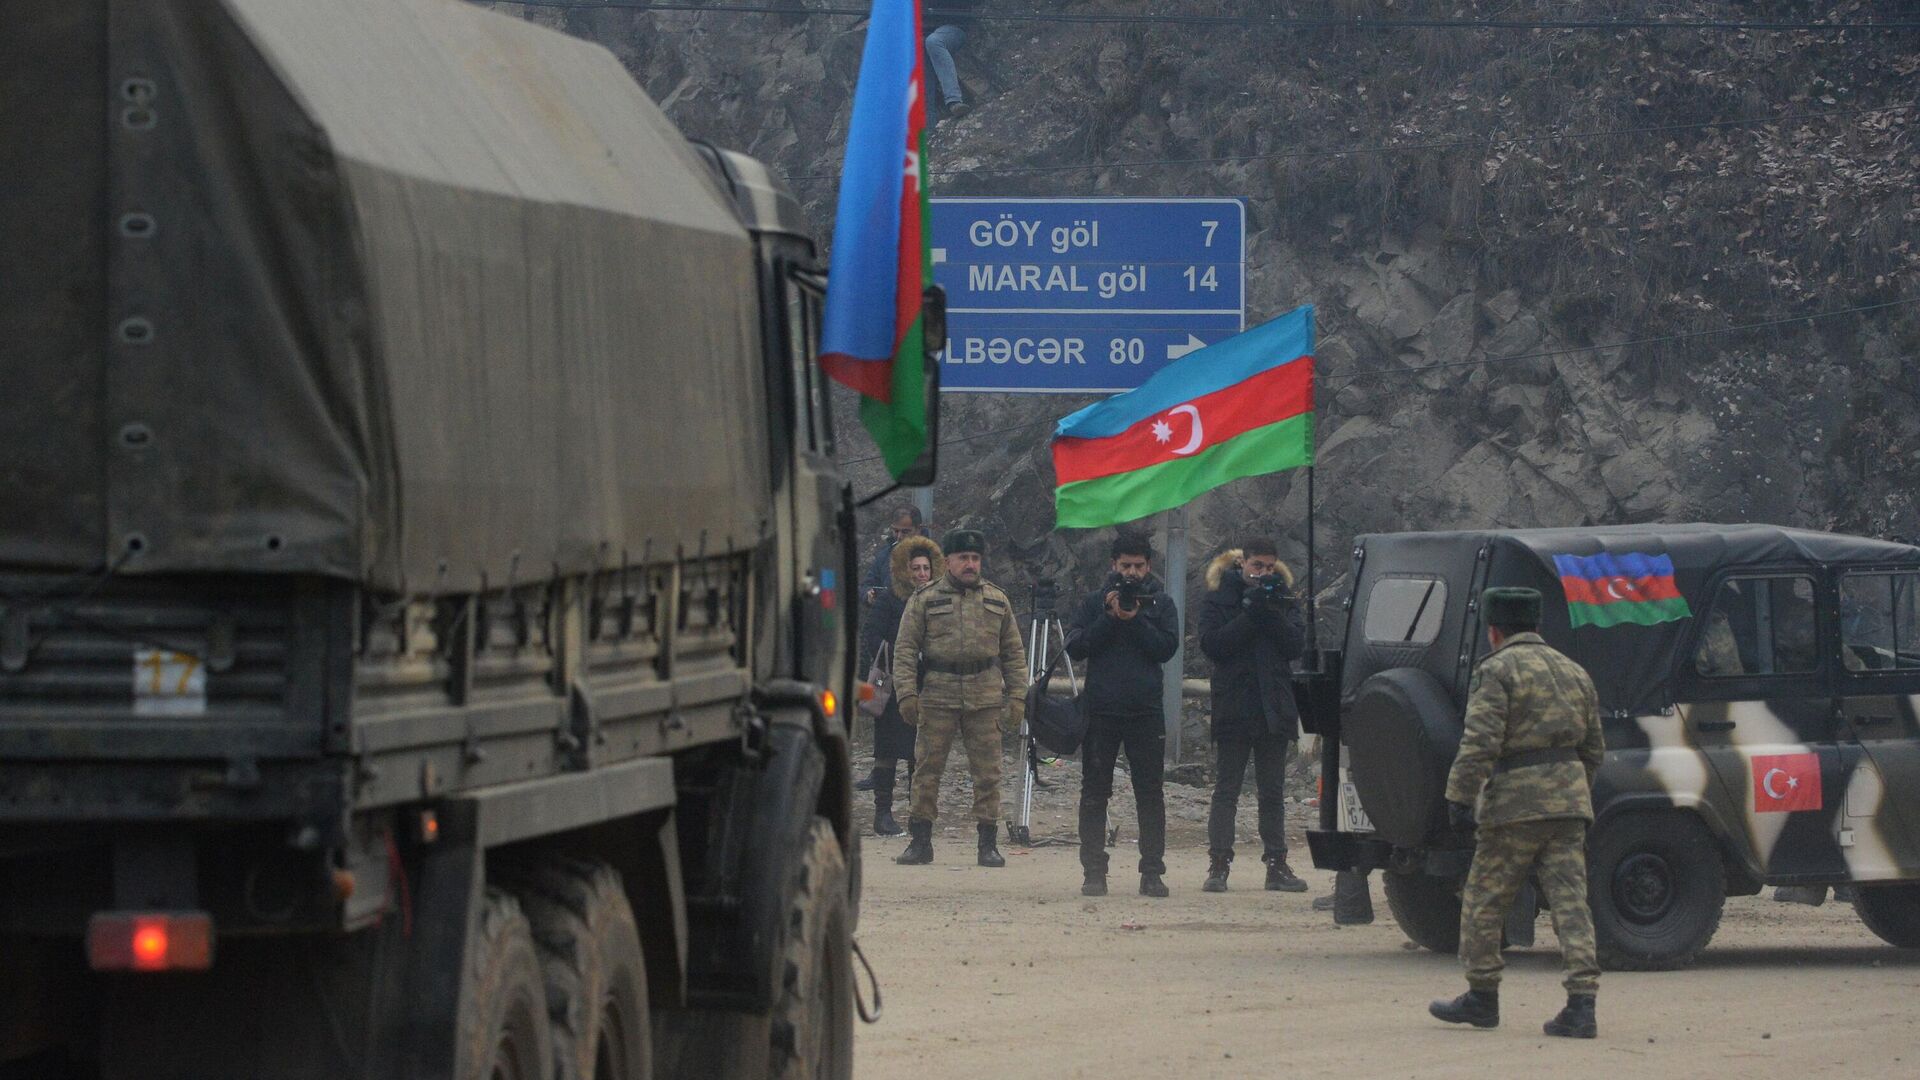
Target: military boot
(1481, 1008)
(920, 848)
(1325, 903)
(1352, 899)
(1280, 877)
(1151, 885)
(883, 823)
(1217, 874)
(1093, 884)
(989, 850)
(1576, 1021)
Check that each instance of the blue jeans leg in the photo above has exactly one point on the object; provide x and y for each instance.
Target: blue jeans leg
(941, 45)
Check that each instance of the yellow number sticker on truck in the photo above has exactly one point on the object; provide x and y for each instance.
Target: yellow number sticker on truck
(168, 683)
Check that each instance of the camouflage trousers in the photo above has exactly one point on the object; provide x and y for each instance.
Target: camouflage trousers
(1503, 858)
(980, 730)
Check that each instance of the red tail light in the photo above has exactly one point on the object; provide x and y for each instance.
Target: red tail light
(150, 941)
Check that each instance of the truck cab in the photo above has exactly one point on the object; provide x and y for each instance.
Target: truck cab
(1758, 694)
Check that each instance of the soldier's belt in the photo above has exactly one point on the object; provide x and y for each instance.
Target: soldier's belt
(957, 667)
(1546, 755)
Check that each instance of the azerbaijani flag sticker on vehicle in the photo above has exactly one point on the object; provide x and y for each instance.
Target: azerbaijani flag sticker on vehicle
(1610, 589)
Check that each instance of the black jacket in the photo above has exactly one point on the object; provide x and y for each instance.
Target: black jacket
(1124, 657)
(1253, 653)
(879, 571)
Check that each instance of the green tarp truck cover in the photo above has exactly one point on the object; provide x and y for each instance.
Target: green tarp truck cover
(396, 291)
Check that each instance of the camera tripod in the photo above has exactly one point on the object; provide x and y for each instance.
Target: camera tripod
(1045, 632)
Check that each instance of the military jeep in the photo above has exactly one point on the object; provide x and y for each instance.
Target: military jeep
(1758, 687)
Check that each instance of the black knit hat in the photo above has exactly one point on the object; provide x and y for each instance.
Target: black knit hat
(960, 540)
(1511, 607)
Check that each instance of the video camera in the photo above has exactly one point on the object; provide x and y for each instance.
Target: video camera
(1271, 591)
(1046, 597)
(1132, 595)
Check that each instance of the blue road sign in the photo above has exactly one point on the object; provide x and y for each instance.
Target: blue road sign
(1071, 296)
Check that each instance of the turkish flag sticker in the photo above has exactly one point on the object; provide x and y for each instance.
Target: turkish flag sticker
(1786, 782)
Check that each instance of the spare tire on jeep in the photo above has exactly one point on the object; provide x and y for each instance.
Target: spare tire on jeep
(1402, 733)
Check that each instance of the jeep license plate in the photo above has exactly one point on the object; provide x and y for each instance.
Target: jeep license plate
(1357, 820)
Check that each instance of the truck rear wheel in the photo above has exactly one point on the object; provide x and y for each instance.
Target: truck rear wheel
(1657, 888)
(812, 1028)
(504, 1032)
(1892, 912)
(596, 976)
(1427, 909)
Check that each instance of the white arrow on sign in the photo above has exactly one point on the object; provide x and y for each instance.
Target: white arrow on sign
(1193, 345)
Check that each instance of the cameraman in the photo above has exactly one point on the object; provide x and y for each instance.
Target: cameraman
(1124, 630)
(1253, 628)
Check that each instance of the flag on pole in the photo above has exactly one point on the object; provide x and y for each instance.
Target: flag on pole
(1241, 407)
(872, 339)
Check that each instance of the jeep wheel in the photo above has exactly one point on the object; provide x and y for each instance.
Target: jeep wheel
(1657, 889)
(1427, 909)
(1892, 912)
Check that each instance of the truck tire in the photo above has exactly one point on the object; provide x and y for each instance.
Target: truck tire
(1657, 888)
(1892, 912)
(504, 1031)
(596, 975)
(812, 1023)
(1427, 909)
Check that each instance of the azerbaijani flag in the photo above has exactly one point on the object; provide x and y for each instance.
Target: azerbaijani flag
(872, 340)
(1240, 407)
(1610, 589)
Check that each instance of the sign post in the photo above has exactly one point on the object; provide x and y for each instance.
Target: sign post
(1084, 296)
(1089, 296)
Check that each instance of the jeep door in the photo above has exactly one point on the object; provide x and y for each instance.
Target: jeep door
(1758, 703)
(1879, 688)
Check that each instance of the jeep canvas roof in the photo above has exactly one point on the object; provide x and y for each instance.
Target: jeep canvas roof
(1631, 664)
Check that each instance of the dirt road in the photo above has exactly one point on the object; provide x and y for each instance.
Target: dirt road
(1011, 973)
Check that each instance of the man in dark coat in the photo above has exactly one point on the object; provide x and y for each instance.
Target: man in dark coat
(1125, 630)
(1253, 628)
(873, 584)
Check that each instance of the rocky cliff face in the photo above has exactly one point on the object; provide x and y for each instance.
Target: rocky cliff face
(1449, 200)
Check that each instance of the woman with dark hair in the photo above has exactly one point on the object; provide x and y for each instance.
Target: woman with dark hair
(914, 560)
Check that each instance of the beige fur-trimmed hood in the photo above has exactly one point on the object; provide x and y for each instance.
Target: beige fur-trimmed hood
(1229, 559)
(903, 553)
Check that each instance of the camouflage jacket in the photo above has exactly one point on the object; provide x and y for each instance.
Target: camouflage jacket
(946, 626)
(1528, 696)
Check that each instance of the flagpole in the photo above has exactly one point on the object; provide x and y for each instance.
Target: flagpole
(1175, 670)
(1313, 609)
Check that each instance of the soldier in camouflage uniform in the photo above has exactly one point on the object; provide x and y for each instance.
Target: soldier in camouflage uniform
(959, 667)
(1524, 775)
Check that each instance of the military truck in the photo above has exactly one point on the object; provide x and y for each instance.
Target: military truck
(422, 647)
(1758, 687)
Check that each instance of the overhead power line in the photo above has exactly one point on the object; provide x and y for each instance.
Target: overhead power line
(1275, 22)
(1414, 372)
(1449, 143)
(1488, 361)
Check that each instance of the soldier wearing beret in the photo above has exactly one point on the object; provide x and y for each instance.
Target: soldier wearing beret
(959, 668)
(1523, 777)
